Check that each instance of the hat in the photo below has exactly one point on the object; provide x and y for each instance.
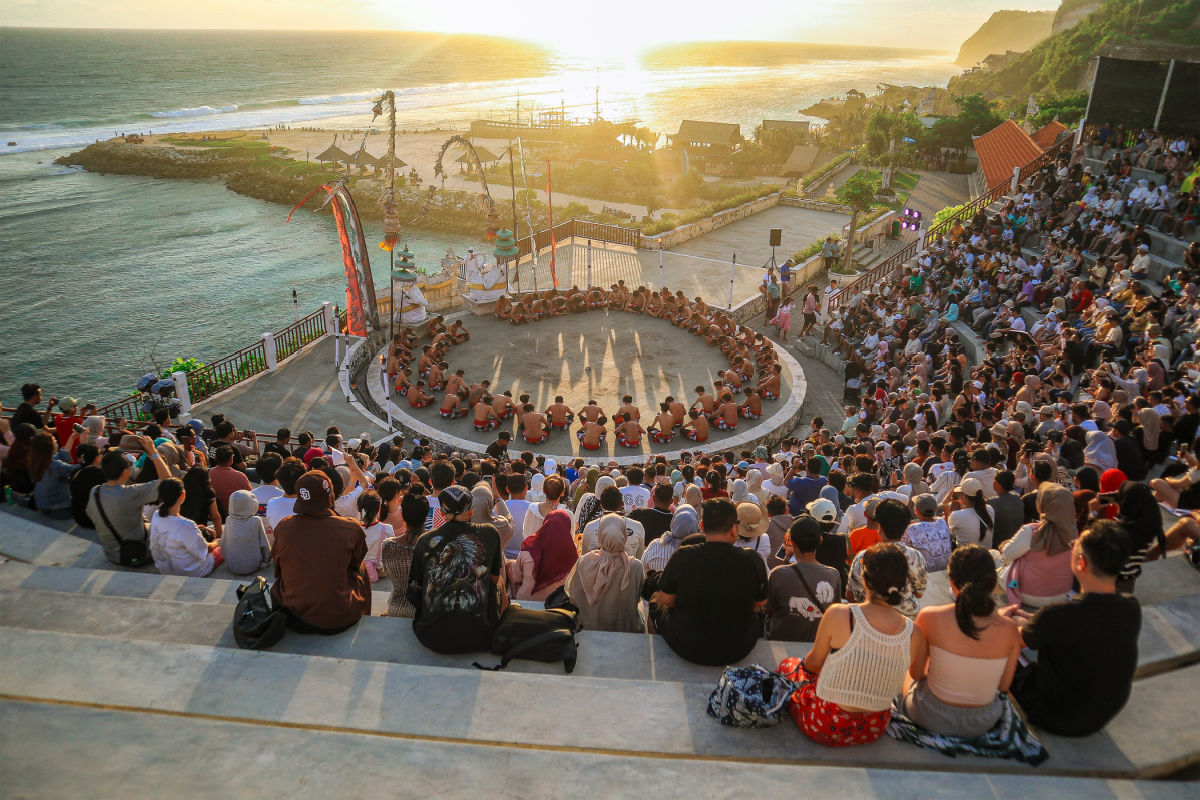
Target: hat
(761, 452)
(1010, 304)
(314, 493)
(892, 429)
(805, 522)
(808, 447)
(925, 503)
(752, 521)
(970, 487)
(454, 499)
(353, 444)
(822, 510)
(550, 467)
(1144, 247)
(1047, 410)
(743, 466)
(68, 404)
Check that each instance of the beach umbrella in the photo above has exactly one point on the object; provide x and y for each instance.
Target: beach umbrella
(334, 153)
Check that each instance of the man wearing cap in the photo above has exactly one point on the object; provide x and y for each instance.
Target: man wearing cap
(320, 580)
(454, 582)
(798, 594)
(929, 533)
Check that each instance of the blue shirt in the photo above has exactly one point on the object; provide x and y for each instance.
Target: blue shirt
(802, 490)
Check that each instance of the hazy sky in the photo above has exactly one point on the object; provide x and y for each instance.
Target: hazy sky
(571, 25)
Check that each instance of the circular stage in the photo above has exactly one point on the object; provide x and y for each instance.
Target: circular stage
(601, 356)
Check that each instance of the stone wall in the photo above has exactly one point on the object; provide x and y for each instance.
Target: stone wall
(684, 233)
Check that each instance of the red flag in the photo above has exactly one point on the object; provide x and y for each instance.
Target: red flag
(550, 218)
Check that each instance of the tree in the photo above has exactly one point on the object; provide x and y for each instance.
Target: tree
(890, 128)
(858, 193)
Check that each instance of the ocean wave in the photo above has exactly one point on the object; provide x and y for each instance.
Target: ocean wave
(197, 111)
(339, 98)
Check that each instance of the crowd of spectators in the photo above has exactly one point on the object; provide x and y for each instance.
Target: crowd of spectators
(1036, 478)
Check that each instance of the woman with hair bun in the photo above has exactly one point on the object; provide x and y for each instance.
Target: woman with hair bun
(968, 653)
(858, 661)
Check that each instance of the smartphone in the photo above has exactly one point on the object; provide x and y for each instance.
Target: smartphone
(781, 553)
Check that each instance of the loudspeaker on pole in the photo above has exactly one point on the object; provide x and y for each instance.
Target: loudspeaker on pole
(776, 237)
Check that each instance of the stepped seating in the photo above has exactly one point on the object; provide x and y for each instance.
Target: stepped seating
(174, 680)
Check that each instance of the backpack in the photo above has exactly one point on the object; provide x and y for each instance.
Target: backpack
(750, 697)
(535, 634)
(133, 552)
(257, 622)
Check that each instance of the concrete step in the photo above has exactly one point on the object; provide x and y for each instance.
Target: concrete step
(31, 541)
(1154, 736)
(1137, 173)
(138, 616)
(284, 761)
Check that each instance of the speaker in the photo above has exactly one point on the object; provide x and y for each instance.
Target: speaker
(776, 237)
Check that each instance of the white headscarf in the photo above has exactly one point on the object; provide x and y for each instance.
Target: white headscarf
(599, 568)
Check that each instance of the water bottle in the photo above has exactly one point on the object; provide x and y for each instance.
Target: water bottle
(8, 496)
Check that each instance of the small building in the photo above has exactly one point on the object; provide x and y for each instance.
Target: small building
(1002, 149)
(791, 125)
(713, 138)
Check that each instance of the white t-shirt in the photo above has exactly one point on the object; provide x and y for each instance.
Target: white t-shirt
(178, 547)
(278, 510)
(635, 537)
(635, 497)
(347, 504)
(966, 527)
(517, 509)
(266, 493)
(375, 536)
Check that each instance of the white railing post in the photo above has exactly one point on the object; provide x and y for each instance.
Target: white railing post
(182, 394)
(269, 351)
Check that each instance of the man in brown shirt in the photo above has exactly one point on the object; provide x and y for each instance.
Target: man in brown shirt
(319, 577)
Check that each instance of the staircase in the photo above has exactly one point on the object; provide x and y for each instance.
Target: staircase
(123, 682)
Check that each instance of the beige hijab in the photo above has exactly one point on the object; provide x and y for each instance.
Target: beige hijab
(599, 568)
(1057, 530)
(1151, 424)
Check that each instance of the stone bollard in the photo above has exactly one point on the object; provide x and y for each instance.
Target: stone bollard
(269, 351)
(183, 396)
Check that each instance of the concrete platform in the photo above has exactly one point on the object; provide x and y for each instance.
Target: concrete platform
(600, 355)
(244, 759)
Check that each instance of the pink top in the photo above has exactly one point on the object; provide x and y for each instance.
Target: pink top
(810, 304)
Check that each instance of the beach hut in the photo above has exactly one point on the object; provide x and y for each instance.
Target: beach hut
(485, 157)
(335, 154)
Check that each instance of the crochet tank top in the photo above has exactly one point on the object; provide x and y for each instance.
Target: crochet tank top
(869, 670)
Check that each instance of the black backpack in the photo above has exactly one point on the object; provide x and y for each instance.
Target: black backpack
(257, 622)
(535, 634)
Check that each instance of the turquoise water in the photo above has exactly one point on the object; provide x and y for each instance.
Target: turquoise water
(106, 277)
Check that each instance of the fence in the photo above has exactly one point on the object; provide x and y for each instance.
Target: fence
(295, 336)
(225, 372)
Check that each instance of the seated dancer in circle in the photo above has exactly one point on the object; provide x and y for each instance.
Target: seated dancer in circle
(560, 414)
(437, 325)
(705, 403)
(457, 333)
(557, 303)
(592, 413)
(627, 411)
(726, 418)
(629, 433)
(591, 434)
(732, 378)
(751, 407)
(576, 300)
(770, 387)
(678, 410)
(456, 381)
(535, 428)
(696, 428)
(519, 315)
(403, 380)
(504, 308)
(662, 430)
(596, 298)
(417, 398)
(503, 405)
(455, 405)
(427, 360)
(637, 301)
(436, 377)
(485, 415)
(477, 392)
(654, 305)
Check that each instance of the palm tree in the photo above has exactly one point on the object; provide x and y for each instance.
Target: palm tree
(859, 194)
(891, 127)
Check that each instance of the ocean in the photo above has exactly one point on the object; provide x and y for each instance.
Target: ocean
(109, 276)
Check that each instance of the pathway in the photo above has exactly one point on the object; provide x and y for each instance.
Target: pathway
(935, 191)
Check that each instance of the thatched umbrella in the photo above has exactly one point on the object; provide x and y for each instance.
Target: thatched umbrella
(335, 154)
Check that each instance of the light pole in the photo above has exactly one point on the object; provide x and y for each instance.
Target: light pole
(387, 201)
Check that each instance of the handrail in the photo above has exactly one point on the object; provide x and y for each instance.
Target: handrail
(227, 371)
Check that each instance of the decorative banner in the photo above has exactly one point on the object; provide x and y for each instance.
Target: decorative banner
(550, 219)
(360, 286)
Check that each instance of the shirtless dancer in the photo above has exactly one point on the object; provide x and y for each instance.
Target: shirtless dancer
(662, 430)
(535, 428)
(485, 415)
(560, 414)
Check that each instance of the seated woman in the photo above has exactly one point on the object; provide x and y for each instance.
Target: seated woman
(1039, 554)
(546, 558)
(859, 659)
(606, 584)
(396, 553)
(969, 653)
(455, 405)
(51, 469)
(176, 543)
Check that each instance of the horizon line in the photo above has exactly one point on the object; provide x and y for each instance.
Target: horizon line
(534, 42)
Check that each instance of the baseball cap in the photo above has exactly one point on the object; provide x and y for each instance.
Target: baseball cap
(314, 493)
(822, 510)
(971, 487)
(925, 503)
(454, 499)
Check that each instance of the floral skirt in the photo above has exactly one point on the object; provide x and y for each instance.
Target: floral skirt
(824, 722)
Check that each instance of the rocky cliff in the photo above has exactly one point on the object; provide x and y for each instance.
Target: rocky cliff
(1004, 31)
(1072, 12)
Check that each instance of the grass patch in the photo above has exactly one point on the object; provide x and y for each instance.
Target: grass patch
(902, 185)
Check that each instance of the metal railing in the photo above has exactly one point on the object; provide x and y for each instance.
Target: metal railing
(225, 372)
(291, 339)
(129, 408)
